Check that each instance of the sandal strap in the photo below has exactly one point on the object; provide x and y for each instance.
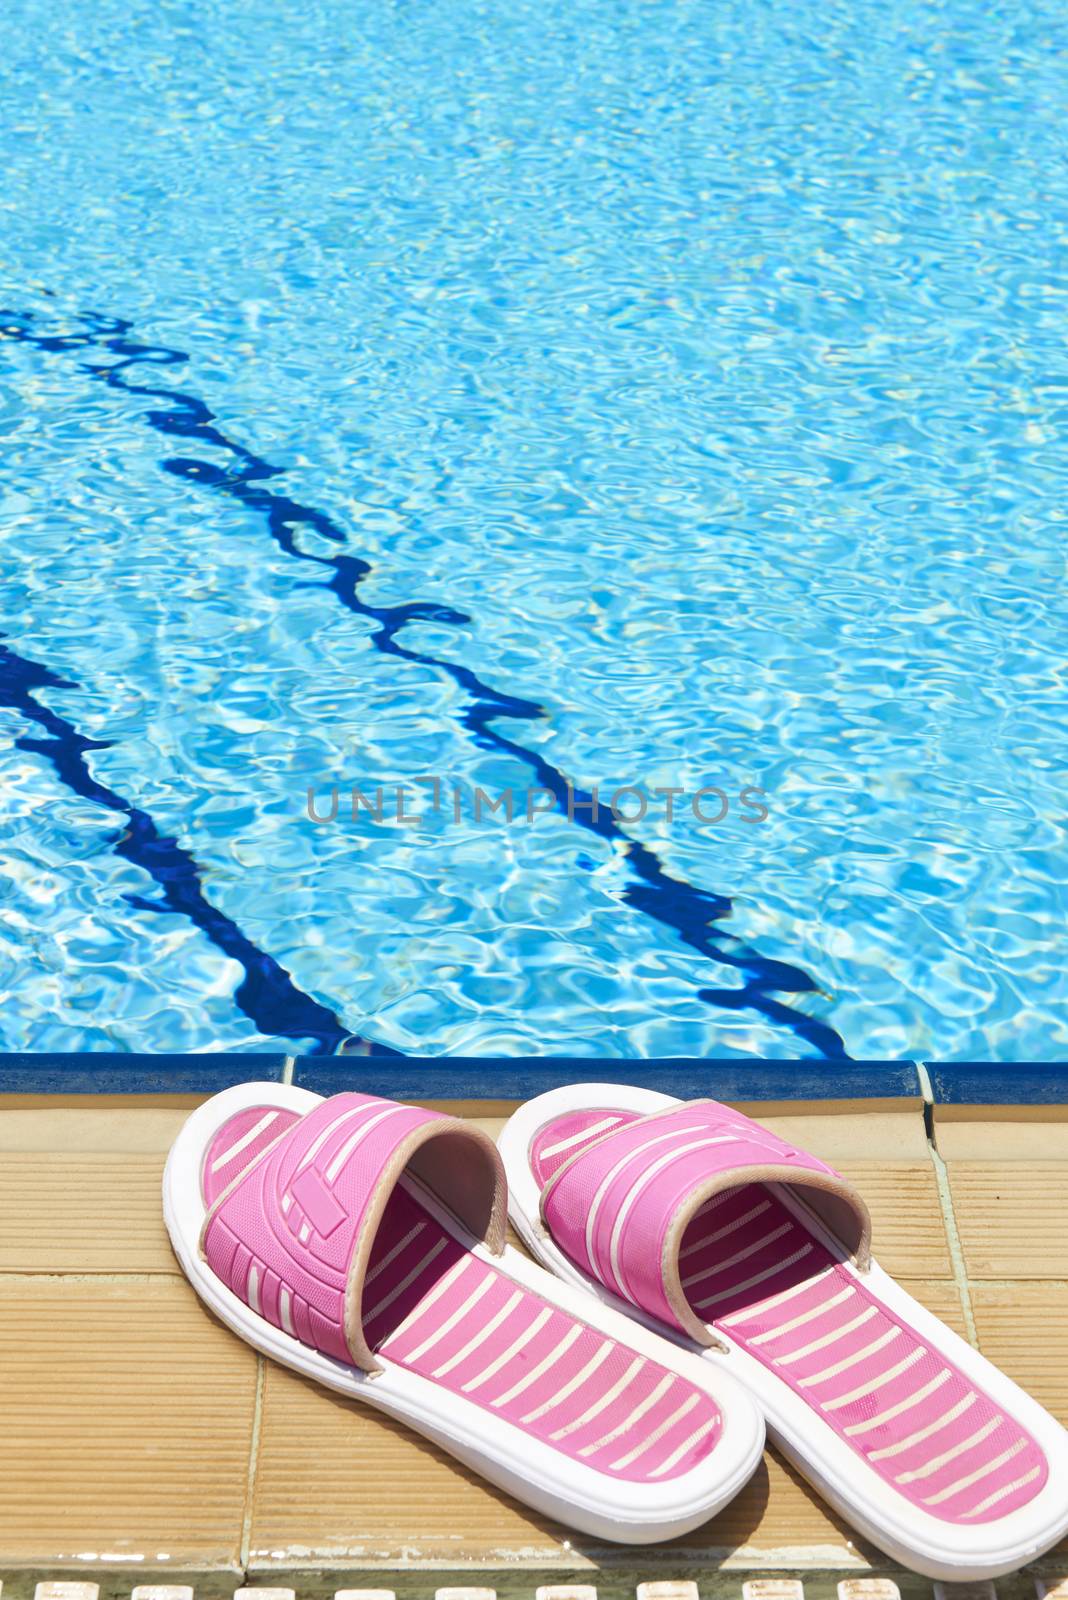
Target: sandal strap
(620, 1205)
(292, 1235)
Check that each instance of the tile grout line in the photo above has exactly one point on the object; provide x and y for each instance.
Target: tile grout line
(949, 1215)
(1015, 1283)
(50, 1275)
(288, 1069)
(253, 1463)
(956, 1249)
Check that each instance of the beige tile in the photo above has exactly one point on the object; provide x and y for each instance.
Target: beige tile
(144, 1123)
(1012, 1217)
(80, 1183)
(849, 1130)
(127, 1419)
(908, 1238)
(1023, 1328)
(1001, 1133)
(944, 1300)
(336, 1479)
(80, 1213)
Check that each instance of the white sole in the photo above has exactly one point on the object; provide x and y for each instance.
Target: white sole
(577, 1495)
(908, 1534)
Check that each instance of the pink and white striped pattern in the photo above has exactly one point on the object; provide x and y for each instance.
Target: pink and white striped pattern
(614, 1198)
(429, 1305)
(754, 1271)
(433, 1307)
(238, 1143)
(283, 1236)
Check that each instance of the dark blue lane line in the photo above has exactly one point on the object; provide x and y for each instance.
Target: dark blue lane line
(691, 913)
(266, 994)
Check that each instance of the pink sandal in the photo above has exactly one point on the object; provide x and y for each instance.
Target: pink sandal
(701, 1224)
(361, 1242)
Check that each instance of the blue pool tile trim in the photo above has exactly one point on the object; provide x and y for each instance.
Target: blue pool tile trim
(997, 1083)
(520, 1078)
(104, 1073)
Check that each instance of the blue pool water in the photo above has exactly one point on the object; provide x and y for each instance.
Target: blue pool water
(616, 394)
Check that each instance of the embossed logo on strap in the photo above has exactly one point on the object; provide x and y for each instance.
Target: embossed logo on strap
(318, 1204)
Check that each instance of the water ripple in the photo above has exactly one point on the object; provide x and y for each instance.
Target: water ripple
(689, 912)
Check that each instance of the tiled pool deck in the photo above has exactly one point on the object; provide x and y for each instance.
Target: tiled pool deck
(141, 1440)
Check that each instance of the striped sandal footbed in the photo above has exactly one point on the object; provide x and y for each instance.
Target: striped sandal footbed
(461, 1321)
(757, 1273)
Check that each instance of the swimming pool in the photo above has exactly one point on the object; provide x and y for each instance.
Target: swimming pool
(534, 399)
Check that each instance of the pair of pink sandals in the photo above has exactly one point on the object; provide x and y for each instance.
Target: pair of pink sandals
(704, 1278)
